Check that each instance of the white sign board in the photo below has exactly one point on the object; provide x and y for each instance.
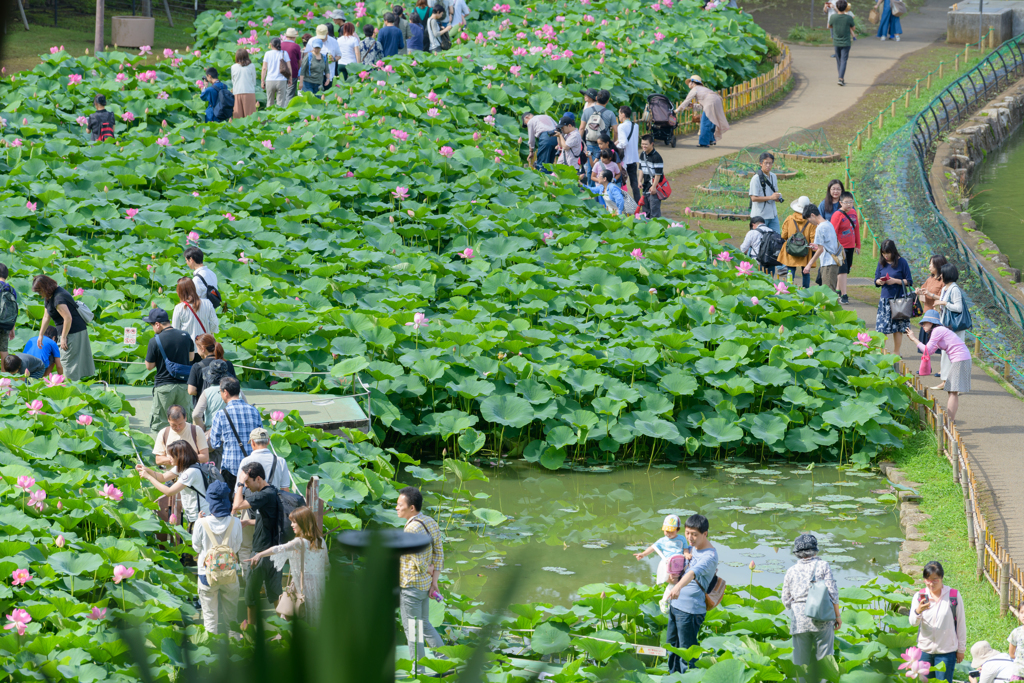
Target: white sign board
(131, 336)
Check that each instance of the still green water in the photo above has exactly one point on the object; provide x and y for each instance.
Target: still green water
(567, 529)
(995, 206)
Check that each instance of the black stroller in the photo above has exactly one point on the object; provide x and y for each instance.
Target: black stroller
(661, 118)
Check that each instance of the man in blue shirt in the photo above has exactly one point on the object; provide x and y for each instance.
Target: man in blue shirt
(390, 37)
(688, 609)
(49, 354)
(211, 93)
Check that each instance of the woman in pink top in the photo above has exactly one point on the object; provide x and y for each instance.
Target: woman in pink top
(959, 379)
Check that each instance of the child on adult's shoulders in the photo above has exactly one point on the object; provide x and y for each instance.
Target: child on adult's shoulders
(671, 544)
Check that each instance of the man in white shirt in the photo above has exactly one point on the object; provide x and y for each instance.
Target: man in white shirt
(202, 277)
(628, 143)
(826, 247)
(259, 440)
(179, 429)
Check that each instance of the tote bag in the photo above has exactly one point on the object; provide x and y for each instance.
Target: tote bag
(959, 321)
(902, 307)
(819, 602)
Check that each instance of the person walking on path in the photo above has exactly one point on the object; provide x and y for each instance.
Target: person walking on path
(415, 42)
(275, 74)
(370, 50)
(333, 51)
(826, 248)
(930, 292)
(751, 246)
(418, 573)
(653, 169)
(349, 45)
(889, 26)
(435, 31)
(571, 144)
(101, 123)
(713, 124)
(203, 278)
(842, 25)
(60, 309)
(243, 84)
(171, 352)
(193, 315)
(813, 639)
(847, 225)
(950, 303)
(957, 379)
(938, 612)
(893, 276)
(798, 233)
(211, 399)
(290, 45)
(229, 424)
(628, 142)
(390, 37)
(597, 120)
(688, 608)
(219, 528)
(541, 140)
(313, 71)
(253, 492)
(308, 552)
(423, 10)
(217, 108)
(992, 666)
(402, 24)
(764, 193)
(831, 203)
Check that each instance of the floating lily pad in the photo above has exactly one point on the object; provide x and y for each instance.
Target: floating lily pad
(558, 570)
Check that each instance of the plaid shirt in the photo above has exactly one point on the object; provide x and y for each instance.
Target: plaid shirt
(246, 418)
(414, 569)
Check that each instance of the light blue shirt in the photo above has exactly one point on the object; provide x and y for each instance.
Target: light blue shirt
(667, 547)
(825, 236)
(461, 11)
(704, 566)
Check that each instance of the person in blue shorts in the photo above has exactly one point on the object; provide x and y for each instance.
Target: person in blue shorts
(49, 354)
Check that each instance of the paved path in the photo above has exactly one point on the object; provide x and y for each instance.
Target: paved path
(816, 97)
(991, 423)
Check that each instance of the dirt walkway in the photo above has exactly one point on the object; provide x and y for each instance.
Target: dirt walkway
(991, 423)
(816, 97)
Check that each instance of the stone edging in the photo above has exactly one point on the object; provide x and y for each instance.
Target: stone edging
(957, 160)
(910, 517)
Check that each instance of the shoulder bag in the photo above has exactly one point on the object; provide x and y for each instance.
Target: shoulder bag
(212, 295)
(196, 316)
(902, 307)
(819, 605)
(962, 320)
(714, 593)
(663, 190)
(414, 558)
(292, 602)
(177, 370)
(899, 8)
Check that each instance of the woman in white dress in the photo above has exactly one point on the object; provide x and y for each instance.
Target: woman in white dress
(193, 315)
(306, 550)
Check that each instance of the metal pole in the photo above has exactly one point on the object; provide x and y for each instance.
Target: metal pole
(981, 13)
(97, 42)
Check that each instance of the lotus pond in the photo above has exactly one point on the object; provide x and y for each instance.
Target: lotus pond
(581, 526)
(999, 218)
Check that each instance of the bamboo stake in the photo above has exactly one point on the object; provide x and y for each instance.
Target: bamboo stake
(906, 99)
(940, 69)
(929, 84)
(917, 89)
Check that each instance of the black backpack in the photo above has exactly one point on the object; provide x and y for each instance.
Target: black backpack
(210, 472)
(106, 129)
(289, 503)
(211, 292)
(771, 245)
(8, 307)
(224, 108)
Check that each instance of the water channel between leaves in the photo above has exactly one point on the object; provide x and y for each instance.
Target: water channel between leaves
(571, 528)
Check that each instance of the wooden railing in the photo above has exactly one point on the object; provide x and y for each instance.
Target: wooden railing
(994, 563)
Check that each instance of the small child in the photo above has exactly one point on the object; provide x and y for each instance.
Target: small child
(50, 353)
(22, 363)
(672, 543)
(101, 124)
(847, 225)
(676, 569)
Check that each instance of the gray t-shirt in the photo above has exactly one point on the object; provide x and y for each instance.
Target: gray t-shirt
(765, 210)
(825, 235)
(35, 367)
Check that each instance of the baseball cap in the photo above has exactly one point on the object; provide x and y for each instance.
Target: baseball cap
(259, 434)
(316, 42)
(589, 92)
(157, 315)
(321, 31)
(566, 120)
(671, 522)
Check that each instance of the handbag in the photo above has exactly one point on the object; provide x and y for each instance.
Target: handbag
(292, 602)
(926, 366)
(875, 15)
(901, 307)
(898, 8)
(663, 190)
(959, 321)
(629, 206)
(819, 605)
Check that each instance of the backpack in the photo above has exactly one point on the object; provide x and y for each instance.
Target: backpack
(210, 472)
(289, 503)
(8, 307)
(106, 129)
(771, 245)
(221, 562)
(595, 127)
(212, 294)
(797, 244)
(224, 107)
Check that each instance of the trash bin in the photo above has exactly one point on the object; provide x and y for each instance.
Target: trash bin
(132, 31)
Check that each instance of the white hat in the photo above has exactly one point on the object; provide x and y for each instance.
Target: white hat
(695, 79)
(799, 203)
(671, 522)
(981, 652)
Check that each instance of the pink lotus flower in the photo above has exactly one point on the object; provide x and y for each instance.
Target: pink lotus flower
(350, 174)
(85, 420)
(163, 142)
(433, 112)
(19, 577)
(173, 519)
(25, 483)
(111, 492)
(268, 144)
(36, 498)
(242, 257)
(514, 70)
(745, 268)
(31, 206)
(227, 15)
(54, 380)
(363, 75)
(97, 614)
(127, 117)
(467, 253)
(399, 134)
(489, 120)
(229, 216)
(192, 237)
(60, 506)
(79, 291)
(381, 84)
(35, 407)
(809, 351)
(549, 235)
(18, 619)
(54, 50)
(418, 320)
(652, 291)
(276, 416)
(864, 339)
(915, 668)
(400, 193)
(392, 149)
(81, 120)
(74, 78)
(724, 257)
(131, 213)
(754, 301)
(168, 53)
(195, 194)
(476, 137)
(145, 50)
(122, 573)
(781, 288)
(637, 254)
(17, 142)
(60, 539)
(432, 96)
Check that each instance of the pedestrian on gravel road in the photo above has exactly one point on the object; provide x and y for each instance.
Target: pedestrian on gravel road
(843, 33)
(951, 301)
(889, 26)
(628, 141)
(893, 276)
(243, 84)
(938, 611)
(847, 224)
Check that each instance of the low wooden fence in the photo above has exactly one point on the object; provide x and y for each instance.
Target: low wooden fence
(994, 564)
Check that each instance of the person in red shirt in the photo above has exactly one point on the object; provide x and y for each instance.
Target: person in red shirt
(847, 225)
(294, 51)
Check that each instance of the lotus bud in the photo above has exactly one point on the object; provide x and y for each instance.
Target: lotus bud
(60, 541)
(752, 565)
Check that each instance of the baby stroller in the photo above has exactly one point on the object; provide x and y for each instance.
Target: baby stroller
(662, 119)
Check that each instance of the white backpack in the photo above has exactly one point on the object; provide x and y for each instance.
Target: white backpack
(595, 127)
(221, 561)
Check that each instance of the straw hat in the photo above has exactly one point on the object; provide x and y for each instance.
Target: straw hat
(695, 79)
(799, 203)
(321, 31)
(291, 34)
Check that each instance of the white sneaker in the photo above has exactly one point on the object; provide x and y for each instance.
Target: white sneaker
(883, 37)
(897, 39)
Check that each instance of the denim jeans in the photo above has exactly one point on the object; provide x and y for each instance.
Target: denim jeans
(707, 131)
(842, 55)
(683, 628)
(545, 150)
(311, 87)
(593, 154)
(950, 660)
(806, 276)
